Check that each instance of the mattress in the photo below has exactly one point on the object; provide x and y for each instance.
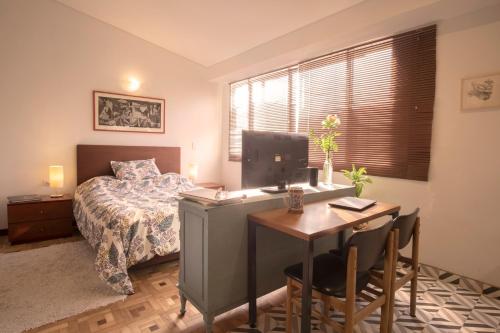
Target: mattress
(129, 222)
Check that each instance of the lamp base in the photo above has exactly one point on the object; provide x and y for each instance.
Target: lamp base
(56, 195)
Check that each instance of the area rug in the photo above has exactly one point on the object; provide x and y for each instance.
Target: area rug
(443, 305)
(44, 285)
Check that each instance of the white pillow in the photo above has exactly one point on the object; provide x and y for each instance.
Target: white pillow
(135, 170)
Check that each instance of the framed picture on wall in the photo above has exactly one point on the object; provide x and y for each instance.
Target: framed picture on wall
(128, 113)
(481, 92)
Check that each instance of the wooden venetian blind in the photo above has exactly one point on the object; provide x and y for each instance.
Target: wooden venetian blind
(263, 103)
(383, 91)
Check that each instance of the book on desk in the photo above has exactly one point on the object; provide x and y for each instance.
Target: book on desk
(352, 203)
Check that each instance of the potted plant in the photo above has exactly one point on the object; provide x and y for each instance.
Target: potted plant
(326, 142)
(358, 177)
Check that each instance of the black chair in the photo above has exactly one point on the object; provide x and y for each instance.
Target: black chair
(345, 276)
(408, 227)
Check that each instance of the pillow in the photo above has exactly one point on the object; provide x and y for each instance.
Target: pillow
(135, 170)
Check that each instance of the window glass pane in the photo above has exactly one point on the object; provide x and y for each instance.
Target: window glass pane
(239, 118)
(239, 106)
(323, 86)
(270, 105)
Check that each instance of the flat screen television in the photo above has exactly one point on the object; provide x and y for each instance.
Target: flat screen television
(273, 160)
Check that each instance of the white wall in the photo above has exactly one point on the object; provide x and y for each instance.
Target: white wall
(52, 58)
(460, 219)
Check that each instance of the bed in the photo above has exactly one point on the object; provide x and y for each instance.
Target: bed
(128, 222)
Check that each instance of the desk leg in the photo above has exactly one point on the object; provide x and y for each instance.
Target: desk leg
(341, 239)
(252, 274)
(307, 275)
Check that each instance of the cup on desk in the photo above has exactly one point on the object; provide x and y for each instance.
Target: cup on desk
(295, 200)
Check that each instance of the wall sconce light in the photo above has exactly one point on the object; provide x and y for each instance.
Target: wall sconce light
(56, 179)
(133, 84)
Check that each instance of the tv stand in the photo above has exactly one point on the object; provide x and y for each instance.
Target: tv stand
(274, 190)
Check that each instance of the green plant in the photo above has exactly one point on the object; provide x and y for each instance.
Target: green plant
(358, 177)
(326, 141)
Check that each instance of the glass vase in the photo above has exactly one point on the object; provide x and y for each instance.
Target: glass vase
(328, 171)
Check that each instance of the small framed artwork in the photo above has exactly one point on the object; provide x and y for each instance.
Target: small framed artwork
(481, 92)
(127, 113)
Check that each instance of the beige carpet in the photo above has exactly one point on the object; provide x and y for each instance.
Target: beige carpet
(47, 284)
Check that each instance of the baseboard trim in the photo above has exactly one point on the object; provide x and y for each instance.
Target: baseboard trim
(3, 232)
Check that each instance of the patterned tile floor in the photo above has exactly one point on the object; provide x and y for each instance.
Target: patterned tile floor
(445, 303)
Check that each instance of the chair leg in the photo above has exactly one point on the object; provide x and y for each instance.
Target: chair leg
(414, 280)
(385, 322)
(289, 305)
(384, 315)
(390, 311)
(350, 298)
(326, 311)
(391, 276)
(349, 317)
(413, 293)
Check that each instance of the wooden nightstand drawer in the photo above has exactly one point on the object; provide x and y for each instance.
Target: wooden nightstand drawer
(38, 220)
(39, 230)
(40, 211)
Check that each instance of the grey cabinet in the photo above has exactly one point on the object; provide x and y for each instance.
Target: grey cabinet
(213, 256)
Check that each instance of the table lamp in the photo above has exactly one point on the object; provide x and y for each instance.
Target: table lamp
(193, 172)
(56, 179)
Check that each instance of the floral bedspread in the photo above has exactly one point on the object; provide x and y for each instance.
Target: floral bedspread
(128, 222)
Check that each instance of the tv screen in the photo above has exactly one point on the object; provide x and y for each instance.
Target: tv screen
(273, 159)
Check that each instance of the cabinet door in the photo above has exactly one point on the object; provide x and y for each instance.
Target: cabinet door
(193, 267)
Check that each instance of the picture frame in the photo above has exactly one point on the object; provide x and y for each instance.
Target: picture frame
(481, 92)
(128, 113)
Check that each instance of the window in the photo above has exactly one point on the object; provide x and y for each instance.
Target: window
(382, 90)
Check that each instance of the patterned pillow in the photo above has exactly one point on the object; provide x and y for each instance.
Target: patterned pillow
(135, 170)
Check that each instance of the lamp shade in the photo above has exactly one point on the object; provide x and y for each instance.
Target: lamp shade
(56, 176)
(193, 172)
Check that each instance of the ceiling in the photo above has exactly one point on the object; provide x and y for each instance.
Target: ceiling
(209, 31)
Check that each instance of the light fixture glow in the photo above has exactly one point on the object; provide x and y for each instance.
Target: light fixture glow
(56, 178)
(192, 172)
(133, 84)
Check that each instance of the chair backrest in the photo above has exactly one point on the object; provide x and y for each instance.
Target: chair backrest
(370, 245)
(405, 224)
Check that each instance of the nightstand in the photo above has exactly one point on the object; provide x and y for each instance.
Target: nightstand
(40, 220)
(211, 185)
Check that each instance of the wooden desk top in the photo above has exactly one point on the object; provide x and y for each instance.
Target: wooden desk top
(319, 219)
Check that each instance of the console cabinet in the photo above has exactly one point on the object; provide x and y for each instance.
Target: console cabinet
(213, 255)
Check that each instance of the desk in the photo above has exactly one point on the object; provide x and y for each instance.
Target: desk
(318, 220)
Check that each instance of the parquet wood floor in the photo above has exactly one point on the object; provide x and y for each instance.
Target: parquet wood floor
(153, 308)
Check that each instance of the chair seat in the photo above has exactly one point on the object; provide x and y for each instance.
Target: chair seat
(329, 275)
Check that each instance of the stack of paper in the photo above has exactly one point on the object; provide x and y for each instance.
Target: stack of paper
(214, 197)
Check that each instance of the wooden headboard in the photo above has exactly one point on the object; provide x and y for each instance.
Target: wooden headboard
(93, 160)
